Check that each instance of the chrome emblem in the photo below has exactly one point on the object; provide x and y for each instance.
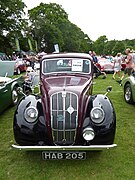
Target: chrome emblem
(70, 110)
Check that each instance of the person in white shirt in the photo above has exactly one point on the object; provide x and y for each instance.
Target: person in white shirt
(117, 65)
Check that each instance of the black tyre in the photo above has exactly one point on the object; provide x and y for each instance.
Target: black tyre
(26, 89)
(14, 96)
(128, 94)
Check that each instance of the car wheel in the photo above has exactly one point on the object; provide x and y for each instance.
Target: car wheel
(18, 71)
(15, 97)
(128, 94)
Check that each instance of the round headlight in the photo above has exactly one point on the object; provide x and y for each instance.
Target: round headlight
(31, 114)
(97, 115)
(88, 134)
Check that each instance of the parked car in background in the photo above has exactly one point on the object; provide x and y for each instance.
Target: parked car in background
(66, 119)
(129, 89)
(8, 92)
(20, 66)
(4, 57)
(106, 65)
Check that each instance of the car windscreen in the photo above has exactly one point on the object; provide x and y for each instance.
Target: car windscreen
(68, 65)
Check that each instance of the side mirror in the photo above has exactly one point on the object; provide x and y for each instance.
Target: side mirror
(109, 89)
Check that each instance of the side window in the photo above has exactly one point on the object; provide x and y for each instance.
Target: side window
(86, 66)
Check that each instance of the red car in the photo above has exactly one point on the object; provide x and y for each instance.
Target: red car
(66, 119)
(106, 65)
(20, 66)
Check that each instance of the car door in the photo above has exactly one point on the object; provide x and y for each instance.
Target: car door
(5, 96)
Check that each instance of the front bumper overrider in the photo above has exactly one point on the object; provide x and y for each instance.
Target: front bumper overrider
(64, 148)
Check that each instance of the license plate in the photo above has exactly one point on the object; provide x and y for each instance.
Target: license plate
(63, 155)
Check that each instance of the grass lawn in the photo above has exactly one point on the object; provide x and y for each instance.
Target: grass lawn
(117, 163)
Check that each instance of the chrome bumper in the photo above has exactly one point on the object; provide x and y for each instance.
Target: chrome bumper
(64, 148)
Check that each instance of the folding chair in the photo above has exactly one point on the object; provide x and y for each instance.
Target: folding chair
(32, 84)
(35, 84)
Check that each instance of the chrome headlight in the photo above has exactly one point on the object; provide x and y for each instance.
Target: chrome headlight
(31, 114)
(88, 134)
(97, 115)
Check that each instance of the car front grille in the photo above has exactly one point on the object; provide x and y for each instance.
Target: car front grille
(64, 115)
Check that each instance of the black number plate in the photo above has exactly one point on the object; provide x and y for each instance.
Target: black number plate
(63, 155)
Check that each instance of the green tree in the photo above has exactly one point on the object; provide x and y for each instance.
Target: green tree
(119, 47)
(108, 47)
(99, 45)
(130, 43)
(50, 25)
(74, 39)
(44, 19)
(11, 15)
(11, 21)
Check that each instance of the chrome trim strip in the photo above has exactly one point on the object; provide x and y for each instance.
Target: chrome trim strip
(64, 148)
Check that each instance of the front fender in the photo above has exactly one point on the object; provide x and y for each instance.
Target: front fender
(105, 131)
(130, 80)
(105, 103)
(14, 84)
(29, 133)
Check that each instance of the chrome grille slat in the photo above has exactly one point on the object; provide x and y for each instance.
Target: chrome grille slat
(64, 115)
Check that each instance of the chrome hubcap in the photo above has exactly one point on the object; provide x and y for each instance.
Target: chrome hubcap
(14, 96)
(128, 94)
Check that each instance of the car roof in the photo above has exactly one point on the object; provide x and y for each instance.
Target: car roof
(67, 55)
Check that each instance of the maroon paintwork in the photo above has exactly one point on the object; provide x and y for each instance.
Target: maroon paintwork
(50, 85)
(80, 84)
(64, 107)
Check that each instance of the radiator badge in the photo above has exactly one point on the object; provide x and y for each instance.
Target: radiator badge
(70, 110)
(60, 117)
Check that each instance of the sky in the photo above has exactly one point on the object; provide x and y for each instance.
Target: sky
(113, 18)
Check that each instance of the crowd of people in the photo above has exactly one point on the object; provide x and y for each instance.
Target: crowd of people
(129, 61)
(117, 64)
(130, 64)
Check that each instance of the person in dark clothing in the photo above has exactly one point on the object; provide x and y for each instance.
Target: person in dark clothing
(97, 70)
(94, 57)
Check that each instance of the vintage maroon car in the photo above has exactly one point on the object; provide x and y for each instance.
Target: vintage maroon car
(65, 120)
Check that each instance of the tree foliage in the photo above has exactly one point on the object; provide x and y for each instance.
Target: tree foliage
(47, 25)
(11, 15)
(50, 25)
(119, 47)
(99, 44)
(10, 21)
(108, 47)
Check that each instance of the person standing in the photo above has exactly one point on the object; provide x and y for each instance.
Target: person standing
(97, 71)
(129, 64)
(117, 65)
(94, 57)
